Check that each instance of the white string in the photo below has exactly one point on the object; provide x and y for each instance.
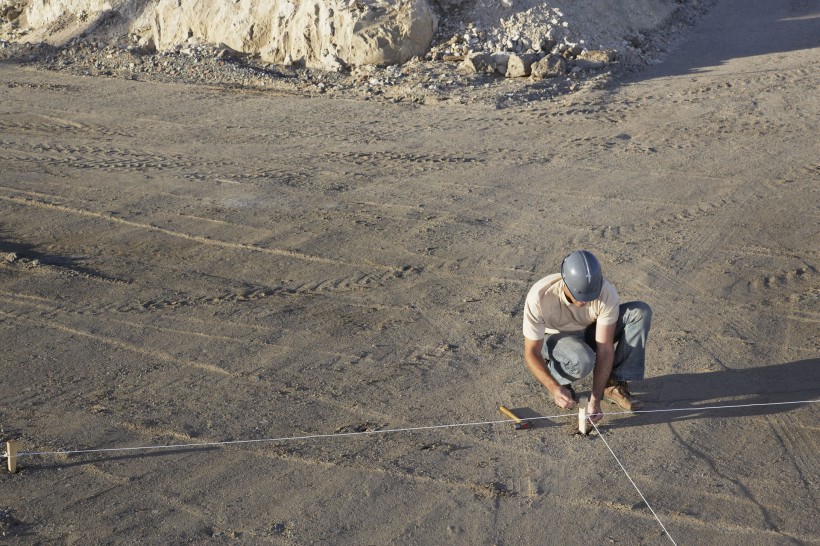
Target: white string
(696, 408)
(372, 432)
(632, 482)
(285, 438)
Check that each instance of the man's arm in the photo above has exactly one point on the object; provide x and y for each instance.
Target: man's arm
(604, 357)
(538, 367)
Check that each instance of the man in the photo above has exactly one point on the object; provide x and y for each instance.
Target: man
(574, 324)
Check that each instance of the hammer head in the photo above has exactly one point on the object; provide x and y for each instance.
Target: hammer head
(523, 425)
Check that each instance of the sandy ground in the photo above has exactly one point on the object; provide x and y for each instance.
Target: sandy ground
(196, 265)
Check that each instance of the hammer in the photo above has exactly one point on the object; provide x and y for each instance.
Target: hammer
(520, 424)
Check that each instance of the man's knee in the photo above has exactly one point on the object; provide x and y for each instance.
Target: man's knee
(586, 363)
(581, 362)
(573, 359)
(638, 311)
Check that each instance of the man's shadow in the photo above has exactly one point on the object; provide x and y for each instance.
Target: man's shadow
(783, 384)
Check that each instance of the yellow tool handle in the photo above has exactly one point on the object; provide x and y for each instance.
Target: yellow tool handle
(510, 414)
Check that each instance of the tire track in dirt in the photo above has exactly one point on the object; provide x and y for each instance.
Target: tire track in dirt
(244, 336)
(113, 342)
(53, 125)
(45, 305)
(123, 160)
(157, 499)
(246, 377)
(326, 286)
(739, 323)
(711, 86)
(769, 252)
(39, 201)
(384, 272)
(380, 158)
(293, 450)
(722, 465)
(107, 159)
(802, 447)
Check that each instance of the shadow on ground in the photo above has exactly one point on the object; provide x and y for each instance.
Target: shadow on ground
(779, 384)
(30, 463)
(12, 252)
(741, 28)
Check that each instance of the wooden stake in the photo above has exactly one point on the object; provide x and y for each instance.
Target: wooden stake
(11, 454)
(583, 424)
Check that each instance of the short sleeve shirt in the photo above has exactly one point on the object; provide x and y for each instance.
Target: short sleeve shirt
(548, 311)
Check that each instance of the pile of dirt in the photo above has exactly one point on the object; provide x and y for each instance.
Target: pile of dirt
(485, 51)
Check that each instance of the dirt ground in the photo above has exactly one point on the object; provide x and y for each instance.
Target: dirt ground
(183, 264)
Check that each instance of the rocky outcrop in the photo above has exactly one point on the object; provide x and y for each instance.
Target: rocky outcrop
(507, 37)
(315, 33)
(58, 21)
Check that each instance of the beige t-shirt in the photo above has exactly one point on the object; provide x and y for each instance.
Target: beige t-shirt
(548, 311)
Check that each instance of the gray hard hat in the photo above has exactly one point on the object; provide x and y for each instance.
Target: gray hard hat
(582, 275)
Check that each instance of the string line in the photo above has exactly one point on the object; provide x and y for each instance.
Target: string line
(701, 408)
(632, 482)
(285, 438)
(374, 432)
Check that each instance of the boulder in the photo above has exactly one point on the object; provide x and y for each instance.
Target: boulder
(477, 63)
(550, 66)
(518, 66)
(500, 60)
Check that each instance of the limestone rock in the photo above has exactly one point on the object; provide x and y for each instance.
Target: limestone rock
(591, 60)
(58, 21)
(519, 66)
(571, 51)
(315, 33)
(10, 10)
(477, 63)
(550, 66)
(339, 34)
(599, 55)
(500, 60)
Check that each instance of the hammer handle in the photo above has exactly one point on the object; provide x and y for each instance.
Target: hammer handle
(510, 414)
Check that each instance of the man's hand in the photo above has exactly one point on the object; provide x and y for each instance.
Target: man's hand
(594, 410)
(563, 398)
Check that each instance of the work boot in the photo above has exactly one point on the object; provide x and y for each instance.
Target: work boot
(617, 392)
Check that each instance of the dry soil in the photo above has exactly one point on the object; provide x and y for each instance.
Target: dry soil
(185, 264)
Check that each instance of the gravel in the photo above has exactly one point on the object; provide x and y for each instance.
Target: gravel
(434, 79)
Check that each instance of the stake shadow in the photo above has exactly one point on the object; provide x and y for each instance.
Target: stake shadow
(81, 459)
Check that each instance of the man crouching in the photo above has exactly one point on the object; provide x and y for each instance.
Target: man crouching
(574, 324)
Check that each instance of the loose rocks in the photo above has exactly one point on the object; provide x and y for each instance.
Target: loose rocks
(549, 67)
(518, 66)
(477, 63)
(367, 49)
